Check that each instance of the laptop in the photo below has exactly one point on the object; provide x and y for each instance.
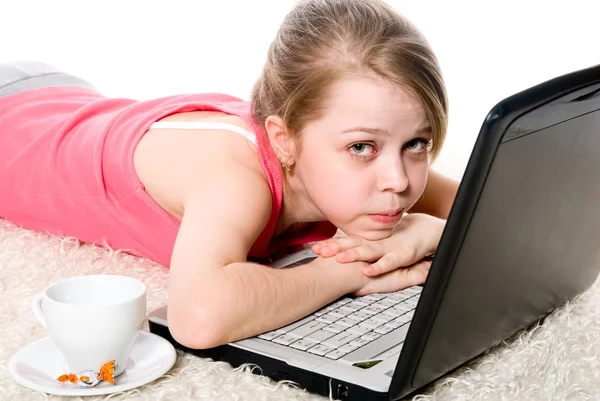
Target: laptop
(521, 240)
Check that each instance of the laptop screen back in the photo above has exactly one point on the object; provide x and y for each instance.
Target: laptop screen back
(533, 241)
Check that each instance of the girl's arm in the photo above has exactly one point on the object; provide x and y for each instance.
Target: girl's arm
(438, 196)
(215, 296)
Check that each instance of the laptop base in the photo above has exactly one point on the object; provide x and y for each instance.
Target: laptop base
(276, 370)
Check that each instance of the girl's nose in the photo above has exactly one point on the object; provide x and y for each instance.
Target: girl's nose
(392, 177)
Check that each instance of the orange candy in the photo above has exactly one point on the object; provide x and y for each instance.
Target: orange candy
(106, 373)
(68, 378)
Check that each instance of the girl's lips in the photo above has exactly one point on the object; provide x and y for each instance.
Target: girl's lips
(391, 217)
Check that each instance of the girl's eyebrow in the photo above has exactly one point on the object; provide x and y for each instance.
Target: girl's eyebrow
(373, 131)
(382, 131)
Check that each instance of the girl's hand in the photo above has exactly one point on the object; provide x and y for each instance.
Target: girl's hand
(415, 237)
(395, 280)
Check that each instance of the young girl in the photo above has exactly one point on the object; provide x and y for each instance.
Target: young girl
(342, 125)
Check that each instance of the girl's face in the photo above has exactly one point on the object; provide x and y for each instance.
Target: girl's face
(365, 162)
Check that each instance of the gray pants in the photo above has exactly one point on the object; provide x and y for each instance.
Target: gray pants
(19, 76)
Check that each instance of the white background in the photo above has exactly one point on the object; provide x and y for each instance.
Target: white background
(144, 49)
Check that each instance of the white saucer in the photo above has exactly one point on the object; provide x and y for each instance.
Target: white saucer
(38, 365)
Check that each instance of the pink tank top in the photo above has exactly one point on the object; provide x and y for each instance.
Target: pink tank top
(66, 168)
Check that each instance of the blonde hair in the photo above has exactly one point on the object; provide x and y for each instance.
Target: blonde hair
(322, 41)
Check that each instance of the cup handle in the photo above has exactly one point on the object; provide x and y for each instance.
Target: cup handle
(36, 305)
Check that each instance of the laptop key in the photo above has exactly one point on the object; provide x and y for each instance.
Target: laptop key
(285, 339)
(346, 322)
(383, 329)
(348, 348)
(269, 335)
(358, 304)
(344, 310)
(371, 336)
(391, 313)
(412, 290)
(340, 339)
(360, 330)
(371, 323)
(395, 323)
(319, 336)
(341, 302)
(386, 303)
(405, 318)
(372, 298)
(399, 297)
(336, 354)
(374, 309)
(303, 344)
(369, 312)
(308, 328)
(334, 328)
(359, 316)
(320, 349)
(335, 314)
(400, 309)
(411, 302)
(326, 319)
(353, 307)
(382, 318)
(359, 342)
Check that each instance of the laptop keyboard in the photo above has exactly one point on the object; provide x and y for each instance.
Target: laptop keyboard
(349, 323)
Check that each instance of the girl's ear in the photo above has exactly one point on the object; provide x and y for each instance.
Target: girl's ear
(282, 142)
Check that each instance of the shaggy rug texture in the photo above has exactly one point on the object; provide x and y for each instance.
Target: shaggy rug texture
(557, 360)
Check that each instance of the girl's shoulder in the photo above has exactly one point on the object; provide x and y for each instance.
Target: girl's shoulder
(182, 150)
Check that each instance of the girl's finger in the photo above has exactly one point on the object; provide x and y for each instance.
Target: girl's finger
(392, 260)
(417, 274)
(400, 278)
(318, 246)
(370, 252)
(409, 276)
(341, 244)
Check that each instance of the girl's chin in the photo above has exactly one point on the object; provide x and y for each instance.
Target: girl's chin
(371, 235)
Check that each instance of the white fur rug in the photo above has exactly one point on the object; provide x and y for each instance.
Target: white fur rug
(556, 361)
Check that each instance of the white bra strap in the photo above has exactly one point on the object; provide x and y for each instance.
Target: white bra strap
(204, 125)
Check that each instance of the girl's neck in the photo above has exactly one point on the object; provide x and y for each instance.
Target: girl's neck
(297, 210)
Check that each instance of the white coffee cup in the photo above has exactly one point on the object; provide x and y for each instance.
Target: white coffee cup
(93, 319)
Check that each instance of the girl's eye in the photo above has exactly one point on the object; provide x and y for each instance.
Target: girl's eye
(362, 149)
(418, 145)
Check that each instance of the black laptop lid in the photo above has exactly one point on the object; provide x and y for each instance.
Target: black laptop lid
(523, 236)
